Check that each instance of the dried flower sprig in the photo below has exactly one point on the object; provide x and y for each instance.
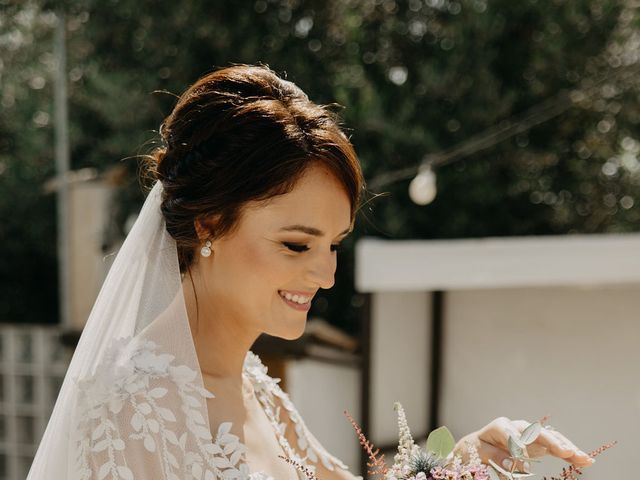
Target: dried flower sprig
(377, 465)
(301, 468)
(572, 472)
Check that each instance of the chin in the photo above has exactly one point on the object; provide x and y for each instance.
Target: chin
(294, 332)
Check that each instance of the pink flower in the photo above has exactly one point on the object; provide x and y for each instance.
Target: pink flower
(439, 473)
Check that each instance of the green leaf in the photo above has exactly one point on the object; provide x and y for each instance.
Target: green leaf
(493, 474)
(441, 442)
(515, 449)
(530, 433)
(536, 460)
(504, 472)
(518, 442)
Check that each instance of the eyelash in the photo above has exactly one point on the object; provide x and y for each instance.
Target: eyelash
(300, 248)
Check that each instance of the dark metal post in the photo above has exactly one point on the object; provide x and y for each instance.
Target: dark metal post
(437, 320)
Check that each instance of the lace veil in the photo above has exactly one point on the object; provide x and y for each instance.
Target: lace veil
(133, 404)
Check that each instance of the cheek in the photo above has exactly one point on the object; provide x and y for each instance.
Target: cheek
(263, 269)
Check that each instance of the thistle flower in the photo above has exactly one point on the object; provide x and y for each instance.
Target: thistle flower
(424, 462)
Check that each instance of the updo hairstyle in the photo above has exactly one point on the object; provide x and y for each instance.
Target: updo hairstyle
(242, 134)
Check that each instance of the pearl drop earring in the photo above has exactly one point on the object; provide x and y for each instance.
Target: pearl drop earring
(206, 250)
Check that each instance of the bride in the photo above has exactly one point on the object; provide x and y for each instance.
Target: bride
(255, 188)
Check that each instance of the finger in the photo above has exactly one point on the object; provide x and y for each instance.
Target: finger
(554, 445)
(564, 440)
(498, 431)
(536, 450)
(579, 458)
(514, 428)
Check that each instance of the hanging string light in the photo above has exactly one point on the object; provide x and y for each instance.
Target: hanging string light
(422, 188)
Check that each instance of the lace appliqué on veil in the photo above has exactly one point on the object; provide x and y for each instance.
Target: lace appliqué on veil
(129, 403)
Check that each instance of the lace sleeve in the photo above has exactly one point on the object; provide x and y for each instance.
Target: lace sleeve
(293, 433)
(327, 466)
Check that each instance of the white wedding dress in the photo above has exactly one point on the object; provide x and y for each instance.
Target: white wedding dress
(130, 405)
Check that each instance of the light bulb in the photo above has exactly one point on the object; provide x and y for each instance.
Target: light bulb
(422, 188)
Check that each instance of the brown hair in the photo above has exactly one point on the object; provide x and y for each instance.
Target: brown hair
(243, 134)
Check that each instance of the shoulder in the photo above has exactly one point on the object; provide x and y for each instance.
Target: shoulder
(133, 370)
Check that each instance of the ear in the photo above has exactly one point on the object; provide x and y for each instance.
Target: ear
(205, 226)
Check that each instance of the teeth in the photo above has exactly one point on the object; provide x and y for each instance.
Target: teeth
(295, 298)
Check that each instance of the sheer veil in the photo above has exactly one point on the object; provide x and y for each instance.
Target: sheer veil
(133, 404)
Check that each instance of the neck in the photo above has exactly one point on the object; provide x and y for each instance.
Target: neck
(220, 341)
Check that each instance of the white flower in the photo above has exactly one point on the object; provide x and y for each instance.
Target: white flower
(149, 362)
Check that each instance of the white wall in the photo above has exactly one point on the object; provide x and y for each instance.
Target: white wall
(89, 203)
(322, 392)
(400, 356)
(570, 353)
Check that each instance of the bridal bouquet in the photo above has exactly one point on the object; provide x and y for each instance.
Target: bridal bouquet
(437, 460)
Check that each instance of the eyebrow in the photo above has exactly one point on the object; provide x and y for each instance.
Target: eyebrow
(309, 230)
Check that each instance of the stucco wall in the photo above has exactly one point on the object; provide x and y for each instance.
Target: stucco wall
(569, 353)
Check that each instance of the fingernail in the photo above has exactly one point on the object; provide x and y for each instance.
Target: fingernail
(507, 463)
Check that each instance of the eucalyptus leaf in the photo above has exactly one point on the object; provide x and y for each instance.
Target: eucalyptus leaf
(493, 475)
(531, 433)
(441, 442)
(515, 449)
(504, 472)
(519, 442)
(529, 459)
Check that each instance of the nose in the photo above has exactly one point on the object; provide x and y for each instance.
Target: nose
(322, 270)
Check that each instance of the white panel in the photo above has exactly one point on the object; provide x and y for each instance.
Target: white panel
(88, 204)
(322, 392)
(569, 353)
(400, 362)
(497, 262)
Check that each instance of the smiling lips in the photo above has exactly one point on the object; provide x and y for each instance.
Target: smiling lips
(296, 300)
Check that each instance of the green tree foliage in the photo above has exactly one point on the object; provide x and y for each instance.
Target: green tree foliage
(416, 77)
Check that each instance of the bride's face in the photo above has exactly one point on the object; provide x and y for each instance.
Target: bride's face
(283, 248)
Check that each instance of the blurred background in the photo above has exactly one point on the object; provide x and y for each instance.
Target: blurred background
(497, 272)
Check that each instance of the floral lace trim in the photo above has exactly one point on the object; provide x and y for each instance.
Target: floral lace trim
(266, 389)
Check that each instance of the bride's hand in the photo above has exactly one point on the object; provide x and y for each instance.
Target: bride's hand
(491, 443)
